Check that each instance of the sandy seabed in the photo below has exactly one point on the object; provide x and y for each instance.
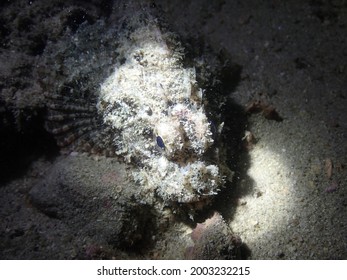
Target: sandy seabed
(289, 196)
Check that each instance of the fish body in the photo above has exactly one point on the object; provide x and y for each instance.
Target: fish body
(149, 110)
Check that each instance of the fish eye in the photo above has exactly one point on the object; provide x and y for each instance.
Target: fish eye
(160, 142)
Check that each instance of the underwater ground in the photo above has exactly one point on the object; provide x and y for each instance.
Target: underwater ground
(288, 101)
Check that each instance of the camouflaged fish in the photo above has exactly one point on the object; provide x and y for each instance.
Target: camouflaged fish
(125, 91)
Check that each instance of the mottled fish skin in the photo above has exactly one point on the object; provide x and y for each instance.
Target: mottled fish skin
(149, 111)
